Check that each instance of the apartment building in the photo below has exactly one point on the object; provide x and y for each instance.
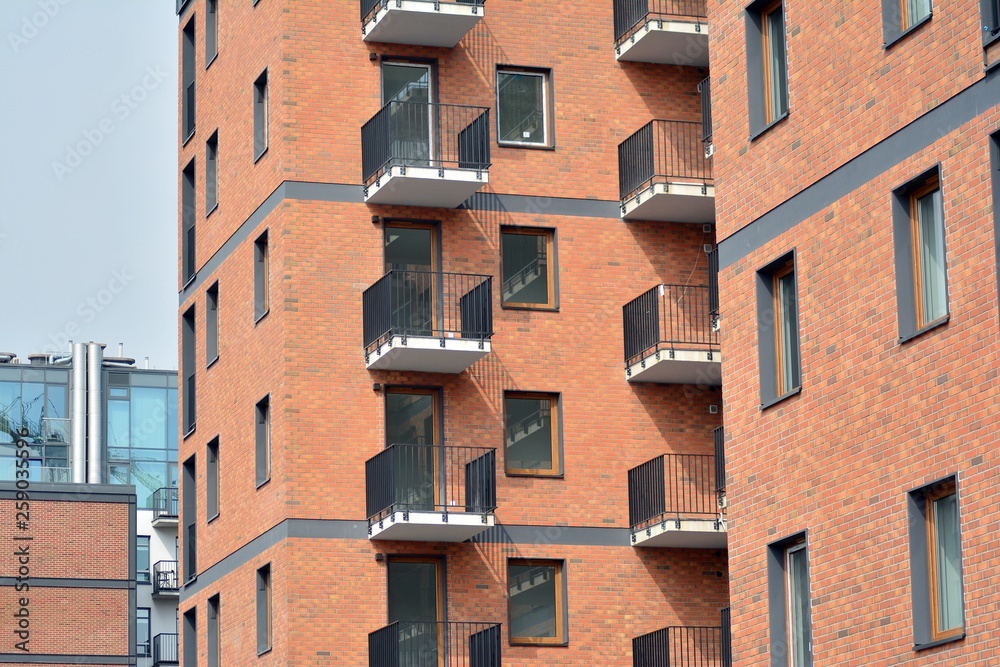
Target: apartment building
(855, 155)
(450, 363)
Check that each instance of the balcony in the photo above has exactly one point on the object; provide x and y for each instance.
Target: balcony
(165, 581)
(685, 646)
(435, 643)
(165, 649)
(727, 638)
(427, 321)
(420, 22)
(430, 493)
(663, 174)
(674, 501)
(419, 154)
(673, 32)
(164, 505)
(671, 337)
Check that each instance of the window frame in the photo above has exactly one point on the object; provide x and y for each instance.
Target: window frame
(189, 630)
(187, 79)
(149, 566)
(261, 276)
(148, 644)
(213, 646)
(261, 114)
(548, 107)
(759, 74)
(212, 324)
(780, 315)
(555, 419)
(265, 597)
(439, 580)
(437, 399)
(990, 11)
(896, 23)
(769, 336)
(938, 492)
(189, 406)
(797, 547)
(765, 13)
(212, 478)
(930, 186)
(262, 441)
(189, 223)
(212, 174)
(552, 291)
(211, 32)
(561, 637)
(779, 598)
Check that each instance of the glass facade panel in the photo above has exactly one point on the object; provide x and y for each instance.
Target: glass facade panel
(533, 605)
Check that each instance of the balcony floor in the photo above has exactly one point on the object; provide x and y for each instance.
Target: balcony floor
(426, 186)
(431, 526)
(425, 354)
(423, 23)
(672, 202)
(687, 367)
(692, 534)
(667, 42)
(164, 522)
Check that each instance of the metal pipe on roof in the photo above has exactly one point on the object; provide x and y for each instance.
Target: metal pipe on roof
(78, 414)
(95, 414)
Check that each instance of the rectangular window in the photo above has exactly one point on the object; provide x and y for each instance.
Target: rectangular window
(529, 275)
(188, 369)
(212, 479)
(190, 631)
(523, 107)
(532, 434)
(211, 173)
(260, 116)
(778, 330)
(767, 64)
(142, 558)
(936, 564)
(142, 646)
(188, 267)
(900, 16)
(789, 605)
(991, 19)
(536, 604)
(921, 268)
(211, 31)
(213, 648)
(263, 440)
(187, 81)
(263, 609)
(260, 277)
(212, 324)
(189, 515)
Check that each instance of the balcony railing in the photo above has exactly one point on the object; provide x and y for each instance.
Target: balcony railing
(672, 487)
(668, 317)
(435, 643)
(165, 579)
(164, 503)
(719, 434)
(705, 88)
(428, 304)
(420, 134)
(370, 7)
(631, 15)
(165, 649)
(726, 639)
(663, 151)
(430, 478)
(713, 284)
(679, 646)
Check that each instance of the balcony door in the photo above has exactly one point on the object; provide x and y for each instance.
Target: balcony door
(412, 119)
(416, 599)
(411, 251)
(411, 422)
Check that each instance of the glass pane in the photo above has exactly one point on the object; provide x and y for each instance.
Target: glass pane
(520, 101)
(32, 401)
(529, 433)
(789, 339)
(147, 476)
(118, 424)
(409, 419)
(56, 422)
(932, 263)
(413, 601)
(409, 249)
(118, 473)
(172, 420)
(918, 10)
(525, 268)
(10, 410)
(149, 417)
(405, 83)
(799, 624)
(532, 601)
(142, 558)
(949, 583)
(776, 62)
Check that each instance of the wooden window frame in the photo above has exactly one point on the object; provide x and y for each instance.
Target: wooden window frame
(765, 13)
(779, 316)
(798, 545)
(438, 563)
(934, 494)
(550, 267)
(905, 20)
(433, 392)
(560, 634)
(932, 184)
(554, 418)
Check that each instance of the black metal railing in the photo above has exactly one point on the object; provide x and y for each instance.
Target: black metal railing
(719, 434)
(713, 283)
(672, 486)
(371, 7)
(705, 88)
(427, 303)
(420, 134)
(435, 643)
(668, 317)
(726, 639)
(679, 646)
(430, 478)
(165, 649)
(164, 503)
(662, 151)
(165, 577)
(631, 15)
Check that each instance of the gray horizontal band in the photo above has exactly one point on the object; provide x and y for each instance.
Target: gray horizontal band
(90, 493)
(63, 582)
(60, 659)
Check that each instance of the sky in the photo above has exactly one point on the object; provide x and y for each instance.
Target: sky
(88, 176)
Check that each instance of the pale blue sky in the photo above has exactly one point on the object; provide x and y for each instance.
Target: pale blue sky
(88, 176)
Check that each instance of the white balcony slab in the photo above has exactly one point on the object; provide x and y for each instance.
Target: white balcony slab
(164, 522)
(430, 526)
(691, 534)
(686, 367)
(422, 23)
(425, 354)
(667, 42)
(426, 186)
(672, 202)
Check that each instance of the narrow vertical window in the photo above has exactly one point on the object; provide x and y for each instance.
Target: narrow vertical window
(944, 558)
(212, 324)
(212, 644)
(799, 621)
(142, 558)
(786, 330)
(263, 609)
(188, 369)
(211, 173)
(189, 512)
(778, 330)
(187, 81)
(260, 277)
(142, 643)
(927, 230)
(260, 116)
(263, 440)
(190, 632)
(775, 68)
(188, 266)
(212, 479)
(211, 31)
(536, 604)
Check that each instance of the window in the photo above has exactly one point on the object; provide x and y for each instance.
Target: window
(767, 64)
(187, 369)
(936, 564)
(189, 513)
(213, 648)
(211, 31)
(901, 16)
(212, 479)
(789, 603)
(536, 605)
(991, 19)
(260, 116)
(188, 267)
(260, 277)
(211, 174)
(190, 630)
(142, 559)
(263, 440)
(778, 330)
(263, 609)
(142, 646)
(529, 276)
(532, 434)
(523, 107)
(921, 269)
(187, 81)
(212, 324)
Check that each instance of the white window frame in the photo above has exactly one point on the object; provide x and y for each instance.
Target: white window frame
(544, 75)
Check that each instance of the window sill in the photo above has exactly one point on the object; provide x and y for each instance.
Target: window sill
(190, 279)
(939, 642)
(909, 31)
(755, 135)
(212, 210)
(534, 147)
(263, 483)
(262, 316)
(268, 649)
(529, 473)
(537, 643)
(520, 306)
(188, 138)
(260, 155)
(211, 363)
(774, 401)
(212, 518)
(189, 432)
(190, 580)
(920, 332)
(209, 63)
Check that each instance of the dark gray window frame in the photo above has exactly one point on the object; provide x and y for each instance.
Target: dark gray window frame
(190, 630)
(262, 440)
(995, 181)
(920, 569)
(212, 635)
(211, 31)
(766, 334)
(991, 21)
(189, 412)
(892, 19)
(189, 511)
(189, 263)
(212, 173)
(212, 324)
(563, 594)
(261, 95)
(212, 480)
(187, 78)
(548, 87)
(755, 69)
(148, 643)
(261, 279)
(777, 596)
(902, 233)
(138, 540)
(265, 598)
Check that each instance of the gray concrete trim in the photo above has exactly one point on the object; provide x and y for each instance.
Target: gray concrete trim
(883, 156)
(63, 582)
(60, 659)
(89, 493)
